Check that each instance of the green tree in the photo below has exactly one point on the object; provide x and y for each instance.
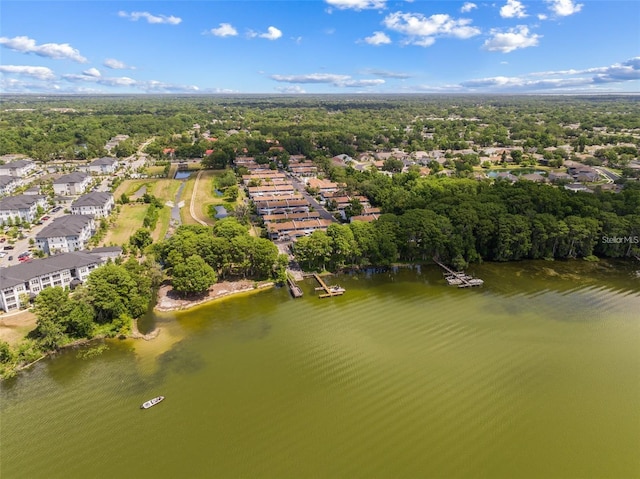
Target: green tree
(193, 276)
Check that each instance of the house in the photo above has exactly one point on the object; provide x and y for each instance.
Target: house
(23, 207)
(535, 177)
(293, 229)
(104, 166)
(559, 176)
(322, 186)
(8, 184)
(33, 276)
(66, 233)
(281, 206)
(72, 184)
(575, 187)
(97, 204)
(18, 168)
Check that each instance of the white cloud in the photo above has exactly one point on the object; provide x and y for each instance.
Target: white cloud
(378, 38)
(148, 86)
(542, 16)
(561, 80)
(291, 89)
(513, 39)
(386, 73)
(423, 30)
(467, 7)
(150, 18)
(272, 34)
(41, 73)
(564, 8)
(57, 51)
(357, 4)
(328, 78)
(224, 30)
(311, 78)
(92, 72)
(116, 64)
(513, 9)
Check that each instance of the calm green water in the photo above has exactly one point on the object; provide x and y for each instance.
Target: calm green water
(537, 375)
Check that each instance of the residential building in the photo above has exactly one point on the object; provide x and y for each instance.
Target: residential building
(8, 184)
(18, 168)
(66, 233)
(293, 229)
(23, 207)
(33, 276)
(72, 184)
(97, 204)
(104, 166)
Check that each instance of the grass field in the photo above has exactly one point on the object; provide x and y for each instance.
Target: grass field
(162, 188)
(128, 222)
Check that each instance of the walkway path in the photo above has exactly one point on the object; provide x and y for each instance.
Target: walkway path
(192, 209)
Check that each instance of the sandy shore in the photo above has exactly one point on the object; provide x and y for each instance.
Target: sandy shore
(169, 300)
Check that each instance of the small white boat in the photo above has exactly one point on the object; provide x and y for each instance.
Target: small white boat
(152, 402)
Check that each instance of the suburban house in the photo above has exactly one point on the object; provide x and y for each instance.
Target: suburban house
(8, 184)
(281, 206)
(293, 229)
(66, 233)
(103, 166)
(24, 207)
(97, 204)
(72, 184)
(18, 168)
(33, 276)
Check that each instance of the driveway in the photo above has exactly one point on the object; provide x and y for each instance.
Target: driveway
(299, 186)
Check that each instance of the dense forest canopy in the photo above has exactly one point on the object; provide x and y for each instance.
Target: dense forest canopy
(68, 126)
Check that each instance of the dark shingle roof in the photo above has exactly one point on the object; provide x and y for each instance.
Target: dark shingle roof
(19, 202)
(67, 225)
(95, 198)
(74, 177)
(21, 273)
(17, 164)
(105, 160)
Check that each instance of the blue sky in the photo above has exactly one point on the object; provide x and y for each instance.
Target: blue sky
(320, 46)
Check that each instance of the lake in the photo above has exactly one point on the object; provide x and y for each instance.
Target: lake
(536, 374)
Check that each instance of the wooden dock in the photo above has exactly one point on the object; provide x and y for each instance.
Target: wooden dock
(329, 291)
(458, 278)
(295, 290)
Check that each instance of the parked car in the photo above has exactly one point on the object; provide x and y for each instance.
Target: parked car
(10, 258)
(8, 247)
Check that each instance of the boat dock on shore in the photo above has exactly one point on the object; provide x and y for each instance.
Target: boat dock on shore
(329, 291)
(458, 278)
(295, 290)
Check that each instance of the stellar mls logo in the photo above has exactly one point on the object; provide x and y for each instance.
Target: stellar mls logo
(621, 239)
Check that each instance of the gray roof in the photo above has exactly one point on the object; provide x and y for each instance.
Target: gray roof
(17, 164)
(68, 225)
(95, 198)
(19, 202)
(7, 180)
(24, 272)
(74, 177)
(105, 160)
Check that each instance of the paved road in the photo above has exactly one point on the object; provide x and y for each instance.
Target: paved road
(299, 186)
(610, 175)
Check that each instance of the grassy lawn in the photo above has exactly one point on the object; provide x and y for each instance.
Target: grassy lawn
(128, 222)
(163, 224)
(185, 216)
(162, 188)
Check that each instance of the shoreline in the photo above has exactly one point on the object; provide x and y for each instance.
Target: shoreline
(168, 301)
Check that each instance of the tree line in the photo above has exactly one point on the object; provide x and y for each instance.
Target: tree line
(463, 220)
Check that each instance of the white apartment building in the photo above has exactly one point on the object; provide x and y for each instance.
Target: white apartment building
(67, 233)
(104, 166)
(97, 204)
(33, 276)
(72, 184)
(24, 207)
(8, 184)
(17, 168)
